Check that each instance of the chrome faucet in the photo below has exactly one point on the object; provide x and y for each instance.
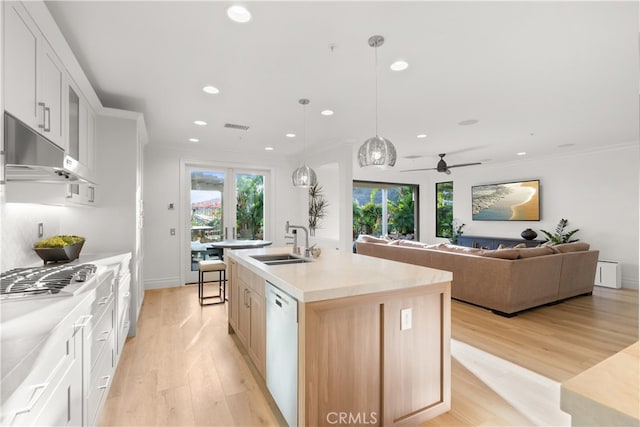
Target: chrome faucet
(307, 252)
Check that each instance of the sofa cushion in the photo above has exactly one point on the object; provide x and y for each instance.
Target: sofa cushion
(500, 253)
(537, 251)
(564, 248)
(394, 242)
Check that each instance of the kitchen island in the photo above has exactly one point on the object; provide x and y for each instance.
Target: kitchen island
(373, 334)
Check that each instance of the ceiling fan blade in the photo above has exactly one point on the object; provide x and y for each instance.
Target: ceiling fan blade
(415, 170)
(463, 164)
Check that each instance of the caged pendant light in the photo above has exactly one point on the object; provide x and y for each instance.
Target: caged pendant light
(377, 150)
(304, 176)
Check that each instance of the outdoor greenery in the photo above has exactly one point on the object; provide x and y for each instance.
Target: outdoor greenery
(444, 209)
(367, 216)
(250, 206)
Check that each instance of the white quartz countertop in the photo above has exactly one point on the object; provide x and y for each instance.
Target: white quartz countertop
(26, 325)
(338, 274)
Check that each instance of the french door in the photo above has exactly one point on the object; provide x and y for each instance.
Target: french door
(221, 204)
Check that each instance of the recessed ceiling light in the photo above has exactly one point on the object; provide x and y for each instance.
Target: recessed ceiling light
(200, 122)
(468, 122)
(212, 90)
(422, 135)
(327, 112)
(522, 153)
(194, 140)
(268, 148)
(290, 135)
(399, 66)
(239, 14)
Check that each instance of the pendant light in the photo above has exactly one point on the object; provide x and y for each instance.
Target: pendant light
(377, 150)
(304, 176)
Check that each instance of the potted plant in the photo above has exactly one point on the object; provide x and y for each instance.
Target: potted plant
(59, 248)
(560, 236)
(456, 231)
(317, 208)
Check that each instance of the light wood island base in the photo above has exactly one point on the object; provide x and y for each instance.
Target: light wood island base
(359, 363)
(357, 367)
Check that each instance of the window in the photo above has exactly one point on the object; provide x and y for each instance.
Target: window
(444, 208)
(382, 209)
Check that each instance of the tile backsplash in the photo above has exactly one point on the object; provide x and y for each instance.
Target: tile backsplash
(19, 228)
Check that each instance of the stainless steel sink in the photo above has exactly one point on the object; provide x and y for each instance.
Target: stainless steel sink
(279, 259)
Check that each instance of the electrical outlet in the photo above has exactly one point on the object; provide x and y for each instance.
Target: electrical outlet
(172, 231)
(405, 319)
(40, 230)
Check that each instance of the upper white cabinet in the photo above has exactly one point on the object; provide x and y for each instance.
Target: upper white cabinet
(34, 76)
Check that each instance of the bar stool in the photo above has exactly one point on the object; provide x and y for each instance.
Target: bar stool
(210, 266)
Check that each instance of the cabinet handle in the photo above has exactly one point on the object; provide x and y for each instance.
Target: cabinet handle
(233, 233)
(81, 323)
(106, 383)
(92, 194)
(41, 125)
(48, 111)
(38, 392)
(226, 233)
(105, 338)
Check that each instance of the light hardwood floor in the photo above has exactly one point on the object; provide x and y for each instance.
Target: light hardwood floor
(183, 369)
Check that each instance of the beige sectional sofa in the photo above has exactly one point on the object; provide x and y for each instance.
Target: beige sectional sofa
(505, 280)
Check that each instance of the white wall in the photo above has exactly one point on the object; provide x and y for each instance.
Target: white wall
(596, 191)
(164, 253)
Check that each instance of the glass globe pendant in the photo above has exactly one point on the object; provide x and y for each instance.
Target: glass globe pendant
(377, 150)
(304, 176)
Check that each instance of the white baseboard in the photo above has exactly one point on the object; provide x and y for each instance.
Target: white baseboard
(165, 282)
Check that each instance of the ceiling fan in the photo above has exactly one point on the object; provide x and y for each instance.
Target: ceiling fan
(442, 166)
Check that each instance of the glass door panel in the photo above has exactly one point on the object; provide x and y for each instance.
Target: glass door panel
(249, 206)
(212, 217)
(206, 196)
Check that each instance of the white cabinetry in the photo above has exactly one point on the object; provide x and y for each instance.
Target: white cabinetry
(34, 75)
(608, 274)
(51, 394)
(82, 124)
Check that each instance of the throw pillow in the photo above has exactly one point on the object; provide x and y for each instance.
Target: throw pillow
(533, 252)
(563, 248)
(500, 253)
(411, 244)
(372, 239)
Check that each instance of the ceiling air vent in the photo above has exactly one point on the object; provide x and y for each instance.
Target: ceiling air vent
(234, 126)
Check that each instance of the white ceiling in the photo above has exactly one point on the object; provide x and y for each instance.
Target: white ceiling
(537, 76)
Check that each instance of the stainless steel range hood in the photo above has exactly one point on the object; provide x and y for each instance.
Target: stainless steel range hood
(30, 156)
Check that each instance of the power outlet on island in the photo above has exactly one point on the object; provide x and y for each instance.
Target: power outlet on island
(405, 319)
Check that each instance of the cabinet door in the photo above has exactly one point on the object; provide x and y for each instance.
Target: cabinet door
(90, 145)
(244, 314)
(258, 332)
(52, 95)
(64, 408)
(21, 41)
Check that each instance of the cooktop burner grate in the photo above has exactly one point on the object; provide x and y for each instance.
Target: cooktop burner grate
(43, 280)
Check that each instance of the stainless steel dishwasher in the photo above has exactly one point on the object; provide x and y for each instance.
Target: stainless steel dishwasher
(282, 351)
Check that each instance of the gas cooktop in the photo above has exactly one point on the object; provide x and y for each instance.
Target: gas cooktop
(51, 280)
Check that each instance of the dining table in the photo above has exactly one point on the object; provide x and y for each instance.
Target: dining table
(239, 244)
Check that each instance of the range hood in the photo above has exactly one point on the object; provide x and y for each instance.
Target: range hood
(30, 156)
